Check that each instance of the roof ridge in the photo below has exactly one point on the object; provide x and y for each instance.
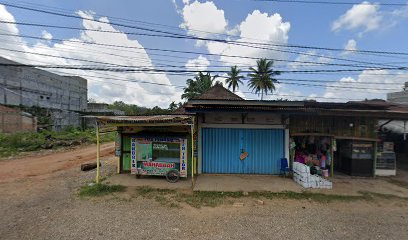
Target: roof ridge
(218, 92)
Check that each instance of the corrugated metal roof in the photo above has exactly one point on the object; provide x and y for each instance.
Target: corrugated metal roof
(218, 92)
(182, 119)
(384, 110)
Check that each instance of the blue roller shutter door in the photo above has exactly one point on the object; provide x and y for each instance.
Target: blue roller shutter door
(222, 148)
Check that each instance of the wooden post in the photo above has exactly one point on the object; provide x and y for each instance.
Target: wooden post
(192, 153)
(332, 156)
(98, 148)
(375, 157)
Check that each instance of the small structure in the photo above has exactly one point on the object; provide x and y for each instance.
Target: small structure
(103, 110)
(98, 109)
(158, 145)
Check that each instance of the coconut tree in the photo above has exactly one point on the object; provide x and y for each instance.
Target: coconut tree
(261, 79)
(234, 79)
(199, 84)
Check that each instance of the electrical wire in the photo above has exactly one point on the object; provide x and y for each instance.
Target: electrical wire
(210, 54)
(159, 31)
(375, 52)
(393, 4)
(282, 82)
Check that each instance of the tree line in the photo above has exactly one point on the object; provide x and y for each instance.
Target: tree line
(261, 80)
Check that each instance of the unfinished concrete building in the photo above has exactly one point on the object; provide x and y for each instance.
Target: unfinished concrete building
(399, 97)
(63, 97)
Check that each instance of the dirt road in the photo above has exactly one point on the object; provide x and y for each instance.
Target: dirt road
(38, 200)
(31, 166)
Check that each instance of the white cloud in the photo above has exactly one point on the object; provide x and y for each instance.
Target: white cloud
(309, 60)
(10, 42)
(198, 64)
(370, 84)
(363, 16)
(274, 30)
(46, 35)
(186, 2)
(100, 89)
(401, 12)
(204, 17)
(351, 45)
(366, 17)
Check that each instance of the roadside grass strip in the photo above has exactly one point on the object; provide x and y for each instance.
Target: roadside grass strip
(100, 189)
(200, 199)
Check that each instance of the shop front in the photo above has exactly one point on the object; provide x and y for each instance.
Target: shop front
(314, 150)
(153, 145)
(356, 157)
(330, 145)
(242, 149)
(155, 154)
(241, 143)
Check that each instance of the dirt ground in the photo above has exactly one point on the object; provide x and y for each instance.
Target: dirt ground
(38, 200)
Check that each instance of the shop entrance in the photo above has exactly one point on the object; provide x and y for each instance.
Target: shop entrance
(355, 158)
(315, 151)
(242, 150)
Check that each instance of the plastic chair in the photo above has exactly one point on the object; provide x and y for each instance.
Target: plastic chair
(284, 169)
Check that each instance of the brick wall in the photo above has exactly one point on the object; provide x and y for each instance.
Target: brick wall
(13, 120)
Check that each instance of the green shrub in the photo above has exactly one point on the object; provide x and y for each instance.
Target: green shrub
(12, 144)
(100, 189)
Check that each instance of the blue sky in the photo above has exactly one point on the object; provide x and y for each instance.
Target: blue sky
(356, 27)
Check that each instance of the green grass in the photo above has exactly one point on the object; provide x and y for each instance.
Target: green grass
(164, 197)
(208, 198)
(318, 197)
(200, 199)
(382, 195)
(100, 189)
(13, 144)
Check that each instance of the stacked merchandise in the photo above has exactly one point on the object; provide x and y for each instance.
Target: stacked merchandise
(301, 175)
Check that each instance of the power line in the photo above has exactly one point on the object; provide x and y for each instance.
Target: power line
(138, 59)
(167, 65)
(208, 54)
(280, 80)
(130, 69)
(306, 97)
(376, 52)
(335, 81)
(335, 2)
(166, 32)
(127, 80)
(36, 101)
(340, 87)
(97, 68)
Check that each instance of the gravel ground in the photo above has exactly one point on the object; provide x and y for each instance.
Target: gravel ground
(47, 207)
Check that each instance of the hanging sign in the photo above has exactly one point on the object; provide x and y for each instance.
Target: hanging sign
(133, 168)
(183, 158)
(118, 144)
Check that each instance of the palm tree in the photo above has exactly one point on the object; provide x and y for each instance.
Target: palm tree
(198, 85)
(262, 78)
(234, 79)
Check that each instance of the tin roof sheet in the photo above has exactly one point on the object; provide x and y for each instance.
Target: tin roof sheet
(181, 119)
